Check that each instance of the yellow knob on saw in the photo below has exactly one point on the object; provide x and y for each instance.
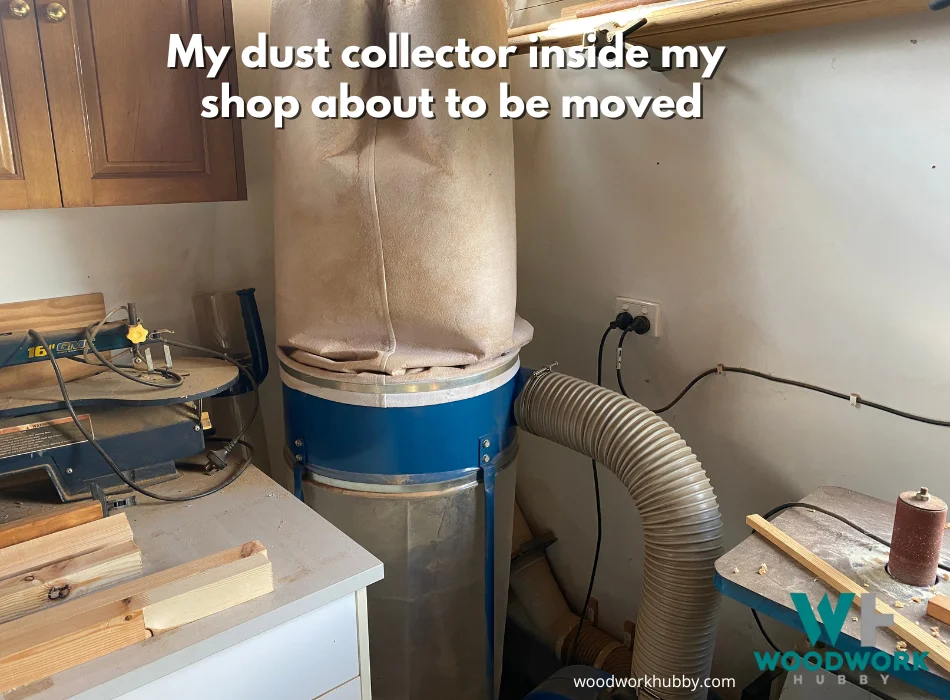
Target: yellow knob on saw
(137, 334)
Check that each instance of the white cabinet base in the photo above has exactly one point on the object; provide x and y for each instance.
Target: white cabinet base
(316, 655)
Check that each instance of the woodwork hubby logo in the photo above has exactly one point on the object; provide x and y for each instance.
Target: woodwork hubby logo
(867, 658)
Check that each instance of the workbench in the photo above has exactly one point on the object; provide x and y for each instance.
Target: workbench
(307, 639)
(855, 555)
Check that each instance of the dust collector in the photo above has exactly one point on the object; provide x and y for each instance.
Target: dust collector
(398, 349)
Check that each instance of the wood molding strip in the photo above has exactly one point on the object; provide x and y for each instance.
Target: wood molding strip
(43, 551)
(716, 20)
(58, 520)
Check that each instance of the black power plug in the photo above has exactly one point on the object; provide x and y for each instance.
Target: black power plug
(627, 322)
(623, 322)
(641, 325)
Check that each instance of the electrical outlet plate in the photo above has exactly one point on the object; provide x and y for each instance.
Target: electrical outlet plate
(639, 307)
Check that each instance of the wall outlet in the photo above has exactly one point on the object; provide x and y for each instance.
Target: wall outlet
(638, 307)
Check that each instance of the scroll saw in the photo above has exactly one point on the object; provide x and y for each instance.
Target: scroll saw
(144, 427)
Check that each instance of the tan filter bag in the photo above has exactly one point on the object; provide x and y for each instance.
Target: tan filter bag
(395, 238)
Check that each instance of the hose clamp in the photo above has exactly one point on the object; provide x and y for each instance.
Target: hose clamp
(525, 398)
(547, 369)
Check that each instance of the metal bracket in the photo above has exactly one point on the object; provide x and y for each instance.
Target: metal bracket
(107, 505)
(297, 466)
(487, 450)
(629, 634)
(606, 35)
(592, 612)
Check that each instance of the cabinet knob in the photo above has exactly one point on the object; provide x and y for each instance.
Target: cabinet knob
(20, 9)
(55, 12)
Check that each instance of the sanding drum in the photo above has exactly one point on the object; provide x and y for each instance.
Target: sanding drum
(919, 525)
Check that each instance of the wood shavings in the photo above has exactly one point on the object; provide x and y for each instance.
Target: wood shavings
(898, 604)
(736, 570)
(854, 619)
(933, 589)
(916, 599)
(901, 645)
(945, 576)
(763, 570)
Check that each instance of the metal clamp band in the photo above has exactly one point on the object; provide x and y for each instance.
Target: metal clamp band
(408, 388)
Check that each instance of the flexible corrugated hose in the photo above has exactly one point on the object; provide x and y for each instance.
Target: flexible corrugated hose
(682, 527)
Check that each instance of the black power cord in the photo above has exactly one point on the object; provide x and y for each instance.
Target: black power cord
(722, 369)
(755, 614)
(212, 461)
(880, 540)
(600, 531)
(624, 322)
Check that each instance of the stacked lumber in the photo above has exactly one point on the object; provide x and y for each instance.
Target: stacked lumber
(36, 574)
(63, 561)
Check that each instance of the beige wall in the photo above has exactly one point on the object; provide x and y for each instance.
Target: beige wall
(800, 228)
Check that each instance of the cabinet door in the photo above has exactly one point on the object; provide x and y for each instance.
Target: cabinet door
(27, 159)
(128, 129)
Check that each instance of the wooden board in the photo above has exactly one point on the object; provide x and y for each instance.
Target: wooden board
(611, 6)
(46, 315)
(79, 640)
(203, 377)
(52, 314)
(208, 592)
(68, 579)
(907, 630)
(720, 20)
(135, 587)
(35, 554)
(196, 591)
(939, 608)
(61, 519)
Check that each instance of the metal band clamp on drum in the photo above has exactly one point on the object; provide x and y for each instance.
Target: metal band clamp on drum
(429, 489)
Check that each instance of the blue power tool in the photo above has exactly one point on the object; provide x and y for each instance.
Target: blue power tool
(144, 429)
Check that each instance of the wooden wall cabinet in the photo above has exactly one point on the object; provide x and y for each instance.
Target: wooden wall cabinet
(90, 115)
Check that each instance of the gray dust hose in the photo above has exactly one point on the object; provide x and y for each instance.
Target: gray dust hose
(682, 528)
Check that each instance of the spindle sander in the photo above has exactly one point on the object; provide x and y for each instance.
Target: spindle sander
(146, 413)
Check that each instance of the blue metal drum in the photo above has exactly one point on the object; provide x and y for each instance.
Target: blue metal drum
(426, 485)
